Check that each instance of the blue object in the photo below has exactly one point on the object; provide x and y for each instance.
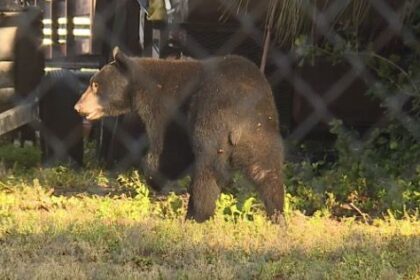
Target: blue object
(144, 4)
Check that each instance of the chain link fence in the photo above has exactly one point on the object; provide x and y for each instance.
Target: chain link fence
(352, 61)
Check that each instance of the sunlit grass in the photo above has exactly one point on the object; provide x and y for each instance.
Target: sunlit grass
(58, 223)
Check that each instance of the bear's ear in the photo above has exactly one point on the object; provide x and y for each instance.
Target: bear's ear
(121, 59)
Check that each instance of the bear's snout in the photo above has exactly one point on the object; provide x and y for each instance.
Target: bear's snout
(77, 107)
(89, 105)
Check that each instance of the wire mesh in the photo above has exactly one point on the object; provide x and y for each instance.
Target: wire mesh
(322, 65)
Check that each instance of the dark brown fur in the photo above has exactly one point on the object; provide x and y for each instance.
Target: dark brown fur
(209, 117)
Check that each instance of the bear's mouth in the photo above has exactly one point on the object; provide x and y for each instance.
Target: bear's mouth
(94, 115)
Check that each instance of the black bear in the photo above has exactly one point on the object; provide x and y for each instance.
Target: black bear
(209, 117)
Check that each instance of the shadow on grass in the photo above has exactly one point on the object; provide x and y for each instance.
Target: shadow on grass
(22, 166)
(171, 249)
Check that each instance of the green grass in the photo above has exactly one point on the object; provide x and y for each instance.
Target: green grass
(58, 223)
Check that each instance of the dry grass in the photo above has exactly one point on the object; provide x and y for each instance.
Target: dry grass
(63, 224)
(77, 235)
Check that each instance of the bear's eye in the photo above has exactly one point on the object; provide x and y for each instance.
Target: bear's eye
(95, 86)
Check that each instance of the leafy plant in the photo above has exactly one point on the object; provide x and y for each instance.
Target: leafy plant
(295, 18)
(142, 197)
(172, 207)
(228, 208)
(20, 157)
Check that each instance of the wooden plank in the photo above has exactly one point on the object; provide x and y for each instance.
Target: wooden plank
(69, 27)
(46, 7)
(82, 7)
(6, 98)
(7, 35)
(9, 18)
(6, 95)
(18, 116)
(82, 11)
(6, 74)
(82, 46)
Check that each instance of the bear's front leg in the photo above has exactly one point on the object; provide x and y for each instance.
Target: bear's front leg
(151, 170)
(151, 162)
(204, 192)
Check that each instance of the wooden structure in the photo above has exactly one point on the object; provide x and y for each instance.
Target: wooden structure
(80, 33)
(21, 66)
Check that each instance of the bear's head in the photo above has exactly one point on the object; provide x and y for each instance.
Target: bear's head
(108, 93)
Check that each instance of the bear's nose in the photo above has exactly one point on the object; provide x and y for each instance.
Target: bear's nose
(77, 107)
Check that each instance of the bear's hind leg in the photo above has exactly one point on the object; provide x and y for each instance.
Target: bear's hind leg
(204, 192)
(269, 183)
(262, 164)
